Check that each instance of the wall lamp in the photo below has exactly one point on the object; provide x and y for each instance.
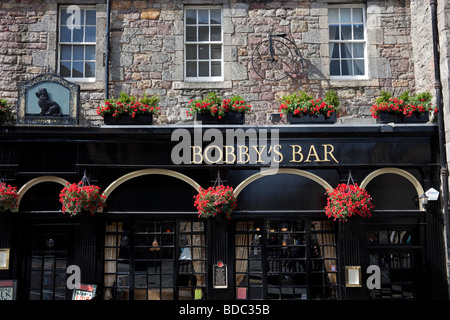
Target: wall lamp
(423, 200)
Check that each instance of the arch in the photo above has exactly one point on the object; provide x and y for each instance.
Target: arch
(27, 186)
(297, 172)
(144, 172)
(397, 171)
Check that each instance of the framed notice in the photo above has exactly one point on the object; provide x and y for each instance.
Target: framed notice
(8, 289)
(84, 291)
(220, 274)
(4, 259)
(353, 276)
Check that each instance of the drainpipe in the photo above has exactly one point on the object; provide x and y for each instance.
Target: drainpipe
(442, 151)
(108, 8)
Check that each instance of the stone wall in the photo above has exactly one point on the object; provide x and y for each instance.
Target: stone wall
(147, 53)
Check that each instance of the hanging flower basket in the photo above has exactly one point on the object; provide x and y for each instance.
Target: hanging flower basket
(8, 197)
(347, 200)
(81, 197)
(215, 200)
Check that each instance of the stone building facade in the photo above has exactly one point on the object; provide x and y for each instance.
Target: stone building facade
(180, 50)
(147, 52)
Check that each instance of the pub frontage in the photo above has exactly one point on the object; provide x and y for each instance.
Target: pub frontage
(149, 243)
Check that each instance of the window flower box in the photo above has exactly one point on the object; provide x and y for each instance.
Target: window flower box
(302, 108)
(128, 110)
(215, 110)
(404, 109)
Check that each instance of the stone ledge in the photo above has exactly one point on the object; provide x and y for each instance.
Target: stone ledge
(202, 85)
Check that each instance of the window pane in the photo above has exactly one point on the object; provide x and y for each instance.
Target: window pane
(65, 15)
(334, 50)
(203, 33)
(64, 69)
(216, 51)
(359, 67)
(191, 33)
(78, 34)
(78, 52)
(346, 32)
(89, 52)
(191, 16)
(203, 51)
(358, 32)
(203, 69)
(77, 69)
(215, 17)
(89, 69)
(345, 15)
(216, 33)
(216, 70)
(358, 50)
(333, 16)
(191, 52)
(203, 16)
(346, 66)
(346, 50)
(66, 52)
(90, 17)
(90, 34)
(65, 35)
(334, 32)
(357, 15)
(191, 69)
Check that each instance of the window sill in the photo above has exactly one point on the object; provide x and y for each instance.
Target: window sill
(352, 82)
(202, 85)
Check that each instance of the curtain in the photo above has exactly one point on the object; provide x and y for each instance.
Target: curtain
(242, 242)
(196, 244)
(327, 244)
(112, 242)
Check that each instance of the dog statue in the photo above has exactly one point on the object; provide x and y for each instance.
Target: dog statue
(48, 107)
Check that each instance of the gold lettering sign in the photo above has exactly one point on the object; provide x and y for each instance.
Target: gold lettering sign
(263, 154)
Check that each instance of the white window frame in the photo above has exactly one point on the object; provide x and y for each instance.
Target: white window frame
(221, 42)
(364, 41)
(84, 43)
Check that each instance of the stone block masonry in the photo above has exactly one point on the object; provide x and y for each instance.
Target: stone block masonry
(147, 53)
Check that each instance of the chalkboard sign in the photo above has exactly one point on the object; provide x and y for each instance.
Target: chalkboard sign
(8, 289)
(220, 273)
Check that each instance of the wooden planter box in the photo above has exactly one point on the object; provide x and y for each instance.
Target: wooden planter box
(311, 119)
(232, 117)
(140, 119)
(384, 117)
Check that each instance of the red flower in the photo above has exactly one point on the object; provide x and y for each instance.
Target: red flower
(347, 200)
(8, 197)
(214, 200)
(76, 199)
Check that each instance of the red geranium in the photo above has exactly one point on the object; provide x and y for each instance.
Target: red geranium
(215, 200)
(8, 197)
(347, 200)
(79, 198)
(216, 106)
(405, 105)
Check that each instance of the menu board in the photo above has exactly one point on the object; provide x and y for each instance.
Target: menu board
(84, 292)
(220, 276)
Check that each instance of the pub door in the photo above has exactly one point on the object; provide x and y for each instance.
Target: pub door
(396, 249)
(49, 251)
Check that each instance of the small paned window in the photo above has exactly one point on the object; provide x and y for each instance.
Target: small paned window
(203, 44)
(77, 43)
(347, 42)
